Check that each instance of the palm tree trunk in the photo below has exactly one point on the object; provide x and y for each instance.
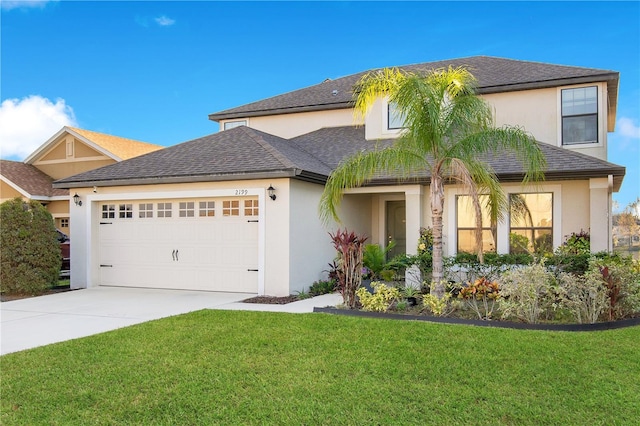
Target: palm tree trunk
(437, 206)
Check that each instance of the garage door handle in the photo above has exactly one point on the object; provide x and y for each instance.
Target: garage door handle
(252, 221)
(106, 223)
(106, 266)
(177, 251)
(173, 255)
(252, 270)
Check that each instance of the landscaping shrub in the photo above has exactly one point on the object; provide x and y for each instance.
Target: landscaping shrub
(350, 247)
(527, 293)
(29, 250)
(584, 296)
(381, 300)
(576, 264)
(322, 287)
(481, 297)
(576, 243)
(622, 281)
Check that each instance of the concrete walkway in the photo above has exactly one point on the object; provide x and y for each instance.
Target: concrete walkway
(39, 321)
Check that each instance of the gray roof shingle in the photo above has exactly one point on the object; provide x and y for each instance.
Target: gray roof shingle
(245, 153)
(493, 74)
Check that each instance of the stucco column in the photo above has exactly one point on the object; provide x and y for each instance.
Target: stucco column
(413, 215)
(599, 205)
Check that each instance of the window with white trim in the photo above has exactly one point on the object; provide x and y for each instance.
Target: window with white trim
(531, 223)
(108, 211)
(580, 115)
(231, 124)
(251, 208)
(164, 209)
(466, 226)
(64, 223)
(125, 211)
(231, 208)
(186, 209)
(145, 210)
(207, 208)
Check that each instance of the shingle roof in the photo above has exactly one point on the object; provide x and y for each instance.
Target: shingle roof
(245, 153)
(30, 179)
(493, 74)
(239, 153)
(114, 146)
(122, 147)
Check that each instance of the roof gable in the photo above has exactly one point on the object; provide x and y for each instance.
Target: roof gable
(493, 74)
(114, 147)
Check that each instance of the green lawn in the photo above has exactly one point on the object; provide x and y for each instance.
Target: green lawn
(226, 367)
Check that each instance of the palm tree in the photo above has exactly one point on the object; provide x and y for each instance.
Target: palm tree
(447, 128)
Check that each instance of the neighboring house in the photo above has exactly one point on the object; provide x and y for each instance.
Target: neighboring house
(70, 151)
(199, 215)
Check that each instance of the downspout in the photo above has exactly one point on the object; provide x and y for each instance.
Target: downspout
(609, 215)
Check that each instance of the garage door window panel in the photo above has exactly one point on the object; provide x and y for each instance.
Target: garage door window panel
(186, 209)
(251, 208)
(145, 210)
(125, 211)
(108, 211)
(231, 208)
(207, 209)
(165, 209)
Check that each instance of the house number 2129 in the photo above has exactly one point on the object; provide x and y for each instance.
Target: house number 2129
(241, 192)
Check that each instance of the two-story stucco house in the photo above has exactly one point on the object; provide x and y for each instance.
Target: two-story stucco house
(238, 210)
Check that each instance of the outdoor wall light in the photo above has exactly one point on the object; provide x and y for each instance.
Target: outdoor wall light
(272, 192)
(76, 199)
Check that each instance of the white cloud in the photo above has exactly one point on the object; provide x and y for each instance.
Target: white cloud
(164, 21)
(627, 128)
(23, 4)
(27, 123)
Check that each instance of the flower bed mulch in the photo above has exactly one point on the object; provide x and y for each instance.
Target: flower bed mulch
(501, 324)
(272, 300)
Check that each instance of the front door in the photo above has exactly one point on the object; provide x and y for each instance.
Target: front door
(396, 227)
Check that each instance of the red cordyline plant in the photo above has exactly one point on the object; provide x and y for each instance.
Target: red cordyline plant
(349, 247)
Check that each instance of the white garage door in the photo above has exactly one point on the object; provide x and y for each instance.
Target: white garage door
(195, 244)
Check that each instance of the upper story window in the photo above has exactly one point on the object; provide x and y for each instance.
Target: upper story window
(580, 115)
(231, 124)
(395, 119)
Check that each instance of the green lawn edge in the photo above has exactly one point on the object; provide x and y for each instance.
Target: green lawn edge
(230, 367)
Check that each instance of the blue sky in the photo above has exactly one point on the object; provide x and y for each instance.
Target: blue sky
(154, 70)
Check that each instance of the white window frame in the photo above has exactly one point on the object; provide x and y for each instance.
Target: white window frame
(227, 125)
(601, 120)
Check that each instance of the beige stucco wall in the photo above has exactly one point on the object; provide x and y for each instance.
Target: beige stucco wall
(574, 203)
(311, 249)
(7, 192)
(292, 125)
(537, 111)
(59, 163)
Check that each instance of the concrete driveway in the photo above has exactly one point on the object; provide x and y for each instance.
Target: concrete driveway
(38, 321)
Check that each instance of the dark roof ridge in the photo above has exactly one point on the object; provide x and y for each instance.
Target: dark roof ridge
(257, 137)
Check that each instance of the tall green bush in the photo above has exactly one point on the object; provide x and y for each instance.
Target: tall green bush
(29, 250)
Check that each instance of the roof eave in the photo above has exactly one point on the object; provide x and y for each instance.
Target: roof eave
(280, 111)
(272, 174)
